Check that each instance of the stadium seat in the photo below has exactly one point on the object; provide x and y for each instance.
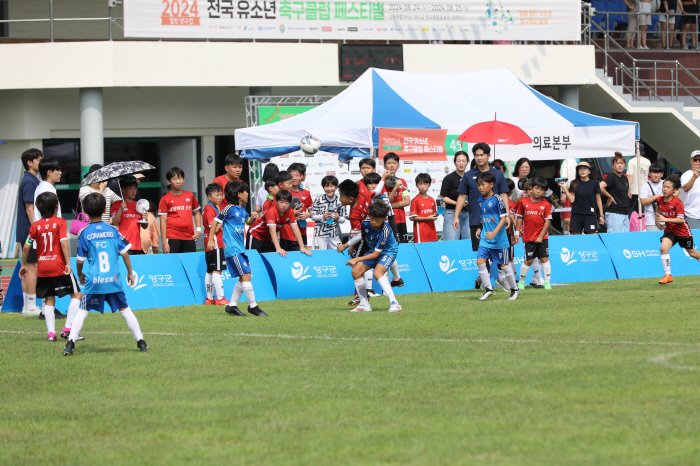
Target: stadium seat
(599, 19)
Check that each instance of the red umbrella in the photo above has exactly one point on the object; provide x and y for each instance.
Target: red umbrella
(495, 132)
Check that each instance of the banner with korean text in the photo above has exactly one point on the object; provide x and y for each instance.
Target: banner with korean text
(366, 20)
(414, 144)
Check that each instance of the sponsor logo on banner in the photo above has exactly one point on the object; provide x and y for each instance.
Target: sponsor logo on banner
(642, 253)
(326, 29)
(137, 280)
(298, 272)
(281, 27)
(445, 265)
(352, 29)
(414, 144)
(569, 257)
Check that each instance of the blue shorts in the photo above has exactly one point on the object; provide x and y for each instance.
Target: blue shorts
(383, 260)
(497, 256)
(238, 265)
(96, 302)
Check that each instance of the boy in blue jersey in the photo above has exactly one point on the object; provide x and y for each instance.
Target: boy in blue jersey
(101, 245)
(234, 218)
(493, 239)
(380, 239)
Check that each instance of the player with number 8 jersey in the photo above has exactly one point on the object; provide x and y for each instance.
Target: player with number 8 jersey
(101, 245)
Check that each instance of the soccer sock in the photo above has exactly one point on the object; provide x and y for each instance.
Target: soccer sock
(50, 319)
(536, 269)
(248, 290)
(512, 267)
(77, 324)
(218, 285)
(510, 277)
(362, 291)
(524, 269)
(501, 273)
(132, 323)
(72, 309)
(209, 286)
(237, 293)
(485, 276)
(368, 280)
(31, 301)
(666, 262)
(386, 288)
(547, 270)
(24, 299)
(395, 271)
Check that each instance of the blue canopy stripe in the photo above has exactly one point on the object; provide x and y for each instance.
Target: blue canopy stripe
(264, 155)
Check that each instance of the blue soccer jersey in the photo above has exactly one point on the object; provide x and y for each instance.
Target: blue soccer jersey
(491, 210)
(233, 218)
(382, 240)
(101, 245)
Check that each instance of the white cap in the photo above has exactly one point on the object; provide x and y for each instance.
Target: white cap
(694, 153)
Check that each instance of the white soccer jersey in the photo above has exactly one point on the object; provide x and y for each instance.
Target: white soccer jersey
(321, 205)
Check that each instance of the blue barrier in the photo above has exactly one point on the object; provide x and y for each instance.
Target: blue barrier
(411, 270)
(196, 268)
(13, 300)
(449, 265)
(580, 258)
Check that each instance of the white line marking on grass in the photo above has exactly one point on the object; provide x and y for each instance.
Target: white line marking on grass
(370, 339)
(663, 360)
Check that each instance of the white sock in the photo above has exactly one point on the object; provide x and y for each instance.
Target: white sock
(72, 309)
(666, 262)
(386, 288)
(360, 286)
(131, 322)
(208, 285)
(547, 270)
(31, 300)
(512, 267)
(524, 269)
(237, 293)
(24, 299)
(218, 285)
(536, 269)
(485, 276)
(510, 277)
(77, 324)
(368, 279)
(50, 319)
(248, 290)
(395, 271)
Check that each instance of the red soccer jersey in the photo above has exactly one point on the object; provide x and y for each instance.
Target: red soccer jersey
(306, 202)
(129, 225)
(423, 231)
(400, 213)
(534, 215)
(208, 215)
(223, 181)
(360, 212)
(179, 211)
(260, 229)
(48, 234)
(674, 209)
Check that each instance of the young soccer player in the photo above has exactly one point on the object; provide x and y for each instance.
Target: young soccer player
(265, 229)
(101, 245)
(493, 244)
(367, 165)
(127, 218)
(272, 189)
(672, 213)
(534, 215)
(298, 172)
(328, 213)
(400, 198)
(382, 251)
(175, 210)
(286, 236)
(214, 250)
(233, 164)
(423, 212)
(54, 276)
(234, 218)
(536, 281)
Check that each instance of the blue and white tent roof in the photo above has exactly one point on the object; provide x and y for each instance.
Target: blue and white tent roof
(454, 101)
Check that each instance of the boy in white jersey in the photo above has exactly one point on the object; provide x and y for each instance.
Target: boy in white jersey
(328, 213)
(101, 245)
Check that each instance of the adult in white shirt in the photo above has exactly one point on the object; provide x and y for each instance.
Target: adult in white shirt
(635, 179)
(110, 196)
(692, 191)
(649, 193)
(271, 171)
(50, 171)
(522, 169)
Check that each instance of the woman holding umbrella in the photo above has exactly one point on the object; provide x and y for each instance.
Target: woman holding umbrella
(101, 188)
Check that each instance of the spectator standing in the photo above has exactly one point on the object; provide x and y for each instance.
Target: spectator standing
(233, 164)
(649, 194)
(584, 195)
(449, 194)
(668, 21)
(423, 212)
(689, 23)
(522, 169)
(298, 172)
(632, 10)
(128, 221)
(25, 217)
(692, 191)
(328, 213)
(176, 209)
(644, 21)
(270, 172)
(101, 188)
(401, 197)
(635, 176)
(617, 189)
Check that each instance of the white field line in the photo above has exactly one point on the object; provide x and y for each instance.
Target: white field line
(664, 360)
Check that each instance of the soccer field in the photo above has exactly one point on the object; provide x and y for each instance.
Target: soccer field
(594, 373)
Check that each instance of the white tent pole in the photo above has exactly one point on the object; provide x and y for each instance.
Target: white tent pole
(638, 175)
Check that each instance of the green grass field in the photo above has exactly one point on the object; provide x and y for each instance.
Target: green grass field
(595, 373)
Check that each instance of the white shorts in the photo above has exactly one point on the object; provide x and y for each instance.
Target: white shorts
(667, 18)
(326, 242)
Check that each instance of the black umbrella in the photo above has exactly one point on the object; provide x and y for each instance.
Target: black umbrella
(114, 170)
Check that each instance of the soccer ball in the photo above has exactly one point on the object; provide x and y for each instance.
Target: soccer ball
(310, 144)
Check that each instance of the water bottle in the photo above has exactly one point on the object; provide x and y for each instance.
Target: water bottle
(440, 205)
(330, 221)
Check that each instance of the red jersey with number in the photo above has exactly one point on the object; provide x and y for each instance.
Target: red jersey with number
(306, 202)
(534, 215)
(400, 213)
(209, 213)
(129, 225)
(423, 231)
(223, 181)
(179, 211)
(674, 209)
(360, 212)
(260, 229)
(48, 234)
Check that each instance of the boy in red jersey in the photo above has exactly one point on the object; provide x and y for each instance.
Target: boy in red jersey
(423, 212)
(672, 213)
(54, 275)
(266, 228)
(127, 221)
(233, 164)
(399, 196)
(298, 172)
(175, 210)
(214, 257)
(534, 215)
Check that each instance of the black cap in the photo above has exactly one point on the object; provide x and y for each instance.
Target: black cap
(93, 168)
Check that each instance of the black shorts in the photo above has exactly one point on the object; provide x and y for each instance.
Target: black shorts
(136, 252)
(179, 246)
(689, 19)
(392, 224)
(535, 250)
(403, 232)
(216, 262)
(583, 223)
(31, 258)
(289, 246)
(261, 246)
(511, 249)
(56, 286)
(686, 242)
(475, 240)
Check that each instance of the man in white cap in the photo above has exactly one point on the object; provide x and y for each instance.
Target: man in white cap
(692, 191)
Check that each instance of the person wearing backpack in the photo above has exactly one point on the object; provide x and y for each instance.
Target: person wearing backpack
(649, 193)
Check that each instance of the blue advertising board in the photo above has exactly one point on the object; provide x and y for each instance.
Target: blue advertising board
(13, 299)
(580, 258)
(411, 270)
(196, 269)
(449, 265)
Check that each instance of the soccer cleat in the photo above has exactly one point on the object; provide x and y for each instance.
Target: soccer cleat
(222, 302)
(65, 333)
(142, 346)
(514, 293)
(521, 285)
(477, 283)
(372, 294)
(51, 337)
(666, 279)
(395, 307)
(354, 302)
(209, 302)
(547, 286)
(31, 311)
(58, 315)
(488, 292)
(234, 311)
(256, 311)
(535, 283)
(362, 309)
(502, 283)
(398, 282)
(68, 350)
